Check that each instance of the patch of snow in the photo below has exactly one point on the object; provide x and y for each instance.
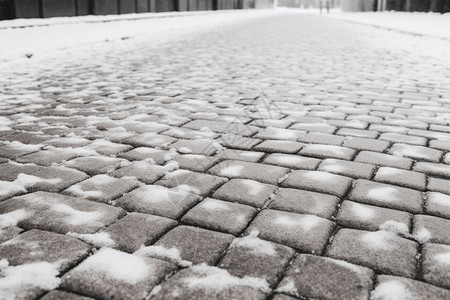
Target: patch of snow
(28, 181)
(364, 212)
(255, 244)
(184, 150)
(187, 189)
(379, 240)
(391, 290)
(214, 205)
(443, 258)
(15, 279)
(118, 265)
(23, 147)
(423, 235)
(395, 227)
(170, 167)
(253, 187)
(213, 278)
(171, 254)
(387, 194)
(11, 188)
(288, 288)
(98, 239)
(234, 170)
(77, 190)
(12, 218)
(76, 217)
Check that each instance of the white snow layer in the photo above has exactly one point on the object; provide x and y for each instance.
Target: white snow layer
(170, 254)
(98, 239)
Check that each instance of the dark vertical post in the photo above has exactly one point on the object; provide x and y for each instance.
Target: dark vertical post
(215, 4)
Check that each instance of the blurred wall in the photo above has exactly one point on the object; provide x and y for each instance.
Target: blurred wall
(358, 5)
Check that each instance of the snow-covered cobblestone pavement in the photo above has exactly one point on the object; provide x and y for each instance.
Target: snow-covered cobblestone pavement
(277, 157)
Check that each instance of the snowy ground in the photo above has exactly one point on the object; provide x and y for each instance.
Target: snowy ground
(258, 155)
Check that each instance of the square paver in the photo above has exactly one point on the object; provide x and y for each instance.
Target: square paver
(305, 233)
(94, 165)
(245, 191)
(438, 204)
(292, 161)
(381, 251)
(317, 181)
(347, 168)
(158, 200)
(279, 146)
(385, 160)
(220, 215)
(337, 279)
(191, 182)
(145, 171)
(111, 274)
(431, 229)
(401, 177)
(435, 264)
(196, 245)
(328, 151)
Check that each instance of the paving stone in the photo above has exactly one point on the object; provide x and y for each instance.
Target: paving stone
(9, 232)
(197, 146)
(318, 182)
(367, 217)
(304, 202)
(388, 128)
(237, 141)
(222, 127)
(273, 133)
(58, 213)
(26, 137)
(253, 257)
(149, 139)
(248, 170)
(200, 283)
(107, 148)
(366, 144)
(245, 191)
(130, 233)
(386, 160)
(440, 145)
(191, 182)
(306, 233)
(37, 246)
(194, 162)
(438, 204)
(69, 141)
(314, 127)
(102, 188)
(438, 185)
(431, 229)
(279, 146)
(292, 161)
(58, 295)
(142, 153)
(381, 251)
(322, 138)
(50, 179)
(158, 200)
(401, 177)
(16, 149)
(196, 245)
(370, 134)
(337, 279)
(220, 215)
(433, 169)
(403, 138)
(393, 286)
(328, 151)
(283, 297)
(144, 171)
(94, 165)
(233, 154)
(183, 133)
(417, 152)
(347, 168)
(386, 195)
(435, 264)
(111, 274)
(48, 157)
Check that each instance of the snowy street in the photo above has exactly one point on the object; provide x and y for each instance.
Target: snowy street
(252, 155)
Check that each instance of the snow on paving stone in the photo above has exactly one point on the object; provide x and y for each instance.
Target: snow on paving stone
(98, 239)
(12, 218)
(255, 244)
(170, 254)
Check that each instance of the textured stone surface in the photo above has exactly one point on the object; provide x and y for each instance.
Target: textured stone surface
(245, 191)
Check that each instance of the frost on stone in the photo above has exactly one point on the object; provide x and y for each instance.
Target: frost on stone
(443, 258)
(304, 222)
(15, 280)
(391, 290)
(170, 254)
(9, 189)
(234, 170)
(254, 244)
(116, 265)
(422, 236)
(288, 287)
(77, 217)
(365, 212)
(98, 239)
(386, 194)
(213, 278)
(187, 189)
(253, 187)
(12, 218)
(22, 147)
(379, 240)
(214, 205)
(395, 227)
(347, 265)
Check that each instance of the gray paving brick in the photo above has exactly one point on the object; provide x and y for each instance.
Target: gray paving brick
(389, 286)
(385, 160)
(141, 153)
(435, 267)
(328, 151)
(438, 185)
(273, 133)
(220, 215)
(58, 213)
(417, 152)
(94, 165)
(292, 161)
(184, 133)
(438, 204)
(233, 154)
(48, 157)
(245, 191)
(248, 170)
(403, 138)
(111, 274)
(222, 127)
(347, 168)
(194, 162)
(366, 144)
(314, 127)
(279, 146)
(304, 202)
(158, 200)
(433, 169)
(144, 171)
(192, 182)
(235, 141)
(337, 279)
(385, 195)
(306, 233)
(316, 181)
(381, 251)
(196, 245)
(431, 229)
(149, 139)
(322, 138)
(197, 146)
(253, 257)
(37, 246)
(401, 177)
